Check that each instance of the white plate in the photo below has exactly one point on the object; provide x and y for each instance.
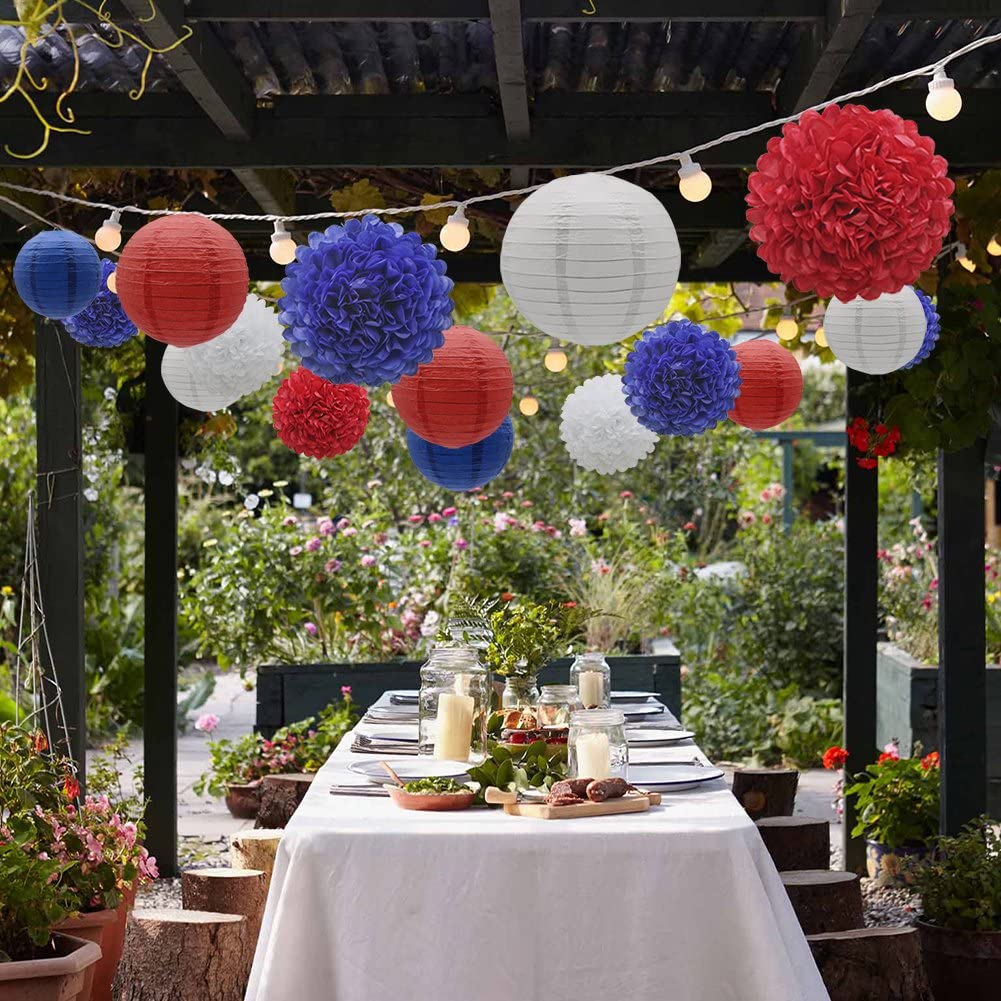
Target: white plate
(644, 709)
(657, 738)
(672, 778)
(633, 696)
(408, 769)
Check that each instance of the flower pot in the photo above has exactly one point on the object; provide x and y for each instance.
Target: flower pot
(884, 863)
(91, 926)
(111, 948)
(961, 965)
(58, 977)
(243, 801)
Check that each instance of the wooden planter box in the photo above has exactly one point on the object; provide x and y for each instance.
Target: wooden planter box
(287, 693)
(907, 710)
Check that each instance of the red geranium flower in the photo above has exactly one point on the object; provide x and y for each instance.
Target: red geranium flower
(41, 742)
(886, 756)
(71, 787)
(931, 760)
(835, 757)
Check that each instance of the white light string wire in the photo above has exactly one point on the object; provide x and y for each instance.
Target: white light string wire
(928, 70)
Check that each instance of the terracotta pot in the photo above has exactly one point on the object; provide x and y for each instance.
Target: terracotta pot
(91, 926)
(884, 864)
(961, 965)
(59, 977)
(111, 948)
(243, 801)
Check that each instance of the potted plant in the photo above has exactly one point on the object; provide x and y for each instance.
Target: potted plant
(960, 925)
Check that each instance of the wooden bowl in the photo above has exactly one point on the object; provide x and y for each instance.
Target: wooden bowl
(430, 801)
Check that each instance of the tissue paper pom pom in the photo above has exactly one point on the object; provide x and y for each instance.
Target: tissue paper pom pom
(771, 385)
(931, 331)
(316, 418)
(600, 431)
(57, 273)
(850, 202)
(103, 324)
(463, 468)
(365, 302)
(681, 379)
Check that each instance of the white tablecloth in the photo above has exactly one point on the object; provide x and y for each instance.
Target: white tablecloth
(372, 903)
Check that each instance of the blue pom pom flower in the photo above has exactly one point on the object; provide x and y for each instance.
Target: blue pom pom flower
(681, 379)
(103, 324)
(365, 302)
(931, 331)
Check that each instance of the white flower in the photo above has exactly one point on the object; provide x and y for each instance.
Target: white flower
(109, 394)
(251, 501)
(500, 522)
(430, 623)
(578, 526)
(226, 478)
(91, 494)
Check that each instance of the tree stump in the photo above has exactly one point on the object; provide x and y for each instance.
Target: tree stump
(824, 900)
(796, 842)
(175, 955)
(766, 792)
(871, 964)
(255, 850)
(227, 891)
(280, 797)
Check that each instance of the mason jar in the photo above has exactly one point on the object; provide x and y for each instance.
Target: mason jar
(592, 677)
(597, 744)
(556, 705)
(453, 705)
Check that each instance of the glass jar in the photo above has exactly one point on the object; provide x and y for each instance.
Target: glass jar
(520, 690)
(592, 677)
(598, 748)
(556, 704)
(453, 705)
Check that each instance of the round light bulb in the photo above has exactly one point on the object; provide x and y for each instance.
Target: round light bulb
(963, 260)
(556, 359)
(528, 405)
(109, 236)
(820, 338)
(283, 247)
(943, 102)
(787, 329)
(455, 234)
(390, 400)
(693, 182)
(112, 282)
(993, 247)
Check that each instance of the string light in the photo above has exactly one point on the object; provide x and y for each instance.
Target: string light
(112, 283)
(528, 405)
(454, 234)
(283, 247)
(693, 182)
(787, 329)
(390, 400)
(820, 338)
(943, 102)
(556, 357)
(963, 260)
(993, 247)
(109, 236)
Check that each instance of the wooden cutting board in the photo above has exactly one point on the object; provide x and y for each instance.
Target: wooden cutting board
(630, 803)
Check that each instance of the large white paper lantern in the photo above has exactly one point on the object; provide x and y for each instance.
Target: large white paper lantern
(216, 373)
(590, 258)
(600, 431)
(876, 335)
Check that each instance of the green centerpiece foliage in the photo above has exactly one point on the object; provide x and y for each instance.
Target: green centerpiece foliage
(526, 635)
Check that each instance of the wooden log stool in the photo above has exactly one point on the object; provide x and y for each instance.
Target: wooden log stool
(871, 964)
(255, 850)
(227, 891)
(824, 900)
(766, 792)
(175, 955)
(796, 842)
(280, 797)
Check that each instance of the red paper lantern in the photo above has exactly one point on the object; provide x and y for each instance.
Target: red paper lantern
(462, 395)
(182, 279)
(318, 418)
(771, 385)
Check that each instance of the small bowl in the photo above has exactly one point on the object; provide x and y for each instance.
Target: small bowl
(430, 801)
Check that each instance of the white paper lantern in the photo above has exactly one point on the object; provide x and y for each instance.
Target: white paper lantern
(599, 429)
(216, 373)
(590, 258)
(878, 335)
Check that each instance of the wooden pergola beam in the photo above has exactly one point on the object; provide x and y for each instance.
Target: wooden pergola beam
(509, 55)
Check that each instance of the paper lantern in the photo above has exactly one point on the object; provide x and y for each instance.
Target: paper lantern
(876, 336)
(681, 378)
(932, 329)
(239, 361)
(57, 273)
(467, 467)
(771, 385)
(601, 433)
(365, 302)
(182, 279)
(461, 395)
(849, 202)
(102, 323)
(590, 258)
(317, 418)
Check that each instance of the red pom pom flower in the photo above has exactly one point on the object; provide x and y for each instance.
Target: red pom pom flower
(318, 418)
(849, 202)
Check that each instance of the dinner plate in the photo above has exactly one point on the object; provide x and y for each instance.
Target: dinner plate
(649, 709)
(657, 738)
(409, 770)
(672, 778)
(633, 696)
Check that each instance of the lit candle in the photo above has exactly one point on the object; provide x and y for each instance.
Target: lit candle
(594, 760)
(455, 727)
(591, 685)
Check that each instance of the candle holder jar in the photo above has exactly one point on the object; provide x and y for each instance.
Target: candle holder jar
(556, 705)
(453, 705)
(592, 677)
(598, 748)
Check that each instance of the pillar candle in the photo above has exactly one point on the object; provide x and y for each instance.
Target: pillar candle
(593, 757)
(454, 727)
(591, 686)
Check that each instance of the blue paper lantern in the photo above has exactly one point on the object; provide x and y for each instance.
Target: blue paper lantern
(365, 302)
(103, 324)
(467, 467)
(57, 273)
(932, 330)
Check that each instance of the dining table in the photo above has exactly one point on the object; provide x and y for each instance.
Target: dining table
(370, 902)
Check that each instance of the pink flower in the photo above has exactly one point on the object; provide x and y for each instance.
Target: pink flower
(310, 628)
(448, 512)
(345, 691)
(892, 749)
(746, 518)
(461, 544)
(500, 522)
(625, 494)
(434, 517)
(372, 484)
(288, 520)
(313, 544)
(295, 551)
(424, 543)
(349, 531)
(527, 504)
(578, 526)
(342, 523)
(507, 495)
(207, 722)
(766, 519)
(416, 519)
(367, 561)
(332, 566)
(325, 526)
